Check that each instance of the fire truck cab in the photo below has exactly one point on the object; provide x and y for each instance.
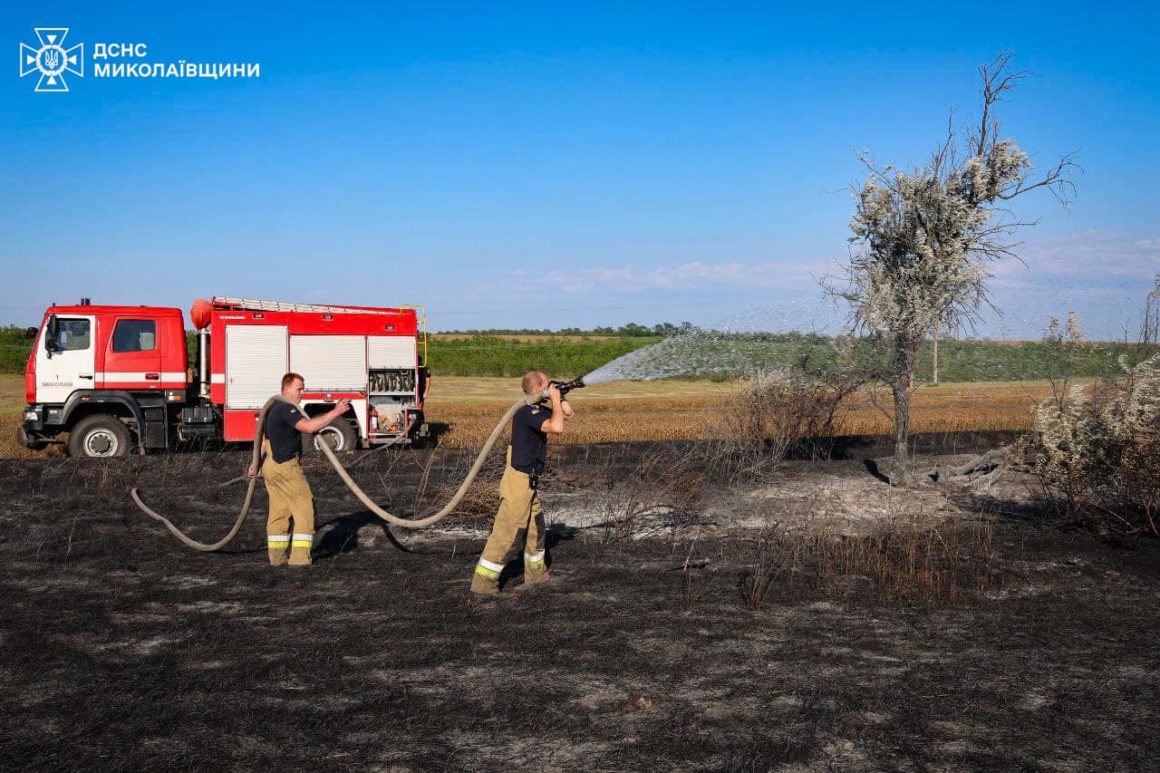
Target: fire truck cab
(118, 378)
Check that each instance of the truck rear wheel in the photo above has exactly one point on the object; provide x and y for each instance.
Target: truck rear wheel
(99, 437)
(341, 435)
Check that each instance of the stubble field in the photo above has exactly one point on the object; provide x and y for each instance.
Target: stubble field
(819, 621)
(463, 410)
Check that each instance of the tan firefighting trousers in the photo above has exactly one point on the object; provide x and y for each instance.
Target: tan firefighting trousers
(519, 511)
(291, 505)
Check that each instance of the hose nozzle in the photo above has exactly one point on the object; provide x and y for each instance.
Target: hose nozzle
(567, 386)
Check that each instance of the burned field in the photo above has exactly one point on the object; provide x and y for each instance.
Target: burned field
(814, 620)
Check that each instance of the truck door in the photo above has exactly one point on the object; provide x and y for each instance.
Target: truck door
(256, 359)
(133, 357)
(65, 361)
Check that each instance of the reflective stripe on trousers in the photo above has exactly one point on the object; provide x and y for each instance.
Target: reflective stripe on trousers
(488, 569)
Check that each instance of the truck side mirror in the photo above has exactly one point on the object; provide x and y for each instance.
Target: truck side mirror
(30, 333)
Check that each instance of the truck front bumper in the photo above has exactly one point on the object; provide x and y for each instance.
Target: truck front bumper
(24, 439)
(30, 433)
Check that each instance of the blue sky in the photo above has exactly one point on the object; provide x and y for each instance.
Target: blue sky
(550, 165)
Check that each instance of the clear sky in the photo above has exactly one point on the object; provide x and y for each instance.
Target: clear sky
(555, 164)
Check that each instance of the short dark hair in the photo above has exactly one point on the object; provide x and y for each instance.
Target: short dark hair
(290, 378)
(530, 380)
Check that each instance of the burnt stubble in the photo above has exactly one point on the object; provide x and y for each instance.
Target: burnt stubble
(121, 649)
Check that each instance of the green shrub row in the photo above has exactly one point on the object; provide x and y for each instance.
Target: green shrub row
(493, 356)
(723, 356)
(14, 349)
(720, 357)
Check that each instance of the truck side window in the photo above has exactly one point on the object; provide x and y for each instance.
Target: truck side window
(135, 335)
(72, 335)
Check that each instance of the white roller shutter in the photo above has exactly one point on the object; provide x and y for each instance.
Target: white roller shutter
(255, 364)
(330, 363)
(391, 351)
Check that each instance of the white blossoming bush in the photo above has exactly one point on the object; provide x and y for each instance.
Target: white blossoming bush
(1099, 447)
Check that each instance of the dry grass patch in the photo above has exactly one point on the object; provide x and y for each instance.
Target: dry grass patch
(950, 408)
(9, 448)
(945, 563)
(688, 410)
(12, 397)
(663, 410)
(454, 390)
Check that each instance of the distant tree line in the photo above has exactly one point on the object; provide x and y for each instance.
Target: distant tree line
(727, 355)
(631, 330)
(14, 349)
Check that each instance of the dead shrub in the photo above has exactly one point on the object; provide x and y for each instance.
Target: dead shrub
(694, 586)
(696, 579)
(766, 565)
(663, 478)
(775, 413)
(1097, 449)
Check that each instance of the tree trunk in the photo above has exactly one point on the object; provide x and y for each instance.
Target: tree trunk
(935, 369)
(905, 352)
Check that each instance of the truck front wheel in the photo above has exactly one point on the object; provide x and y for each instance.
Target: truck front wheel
(342, 435)
(99, 437)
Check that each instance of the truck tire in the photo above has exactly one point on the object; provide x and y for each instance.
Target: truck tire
(99, 437)
(341, 434)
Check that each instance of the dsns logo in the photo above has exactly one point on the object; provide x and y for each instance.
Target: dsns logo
(52, 60)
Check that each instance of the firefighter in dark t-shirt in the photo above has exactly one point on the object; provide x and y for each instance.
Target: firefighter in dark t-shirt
(519, 507)
(290, 525)
(424, 379)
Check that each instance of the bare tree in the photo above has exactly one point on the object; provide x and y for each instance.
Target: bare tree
(924, 239)
(1150, 331)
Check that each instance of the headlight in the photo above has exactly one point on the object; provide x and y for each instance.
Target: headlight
(31, 416)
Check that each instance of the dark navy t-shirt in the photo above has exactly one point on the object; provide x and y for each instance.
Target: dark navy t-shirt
(424, 377)
(529, 443)
(285, 441)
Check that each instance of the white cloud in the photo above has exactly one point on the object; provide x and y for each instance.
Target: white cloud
(733, 275)
(1093, 258)
(1098, 255)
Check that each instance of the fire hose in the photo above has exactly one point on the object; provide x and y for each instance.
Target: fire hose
(406, 523)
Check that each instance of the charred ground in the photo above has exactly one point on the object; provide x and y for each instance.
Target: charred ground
(1034, 645)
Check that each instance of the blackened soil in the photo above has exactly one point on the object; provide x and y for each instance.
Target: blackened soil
(121, 649)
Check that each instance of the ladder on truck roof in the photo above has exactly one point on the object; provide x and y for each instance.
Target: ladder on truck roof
(250, 304)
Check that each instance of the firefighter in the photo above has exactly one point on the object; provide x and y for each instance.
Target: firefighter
(290, 526)
(424, 387)
(519, 512)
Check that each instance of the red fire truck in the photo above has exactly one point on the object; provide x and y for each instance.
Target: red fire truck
(118, 379)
